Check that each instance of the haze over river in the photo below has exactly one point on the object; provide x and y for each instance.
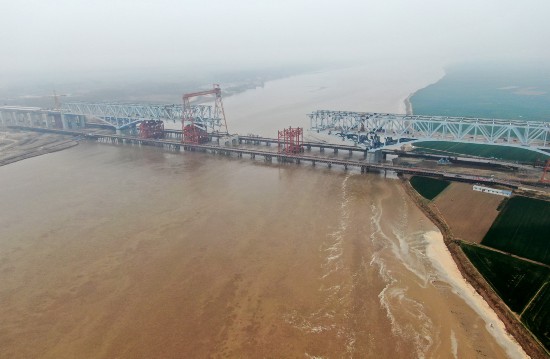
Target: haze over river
(129, 252)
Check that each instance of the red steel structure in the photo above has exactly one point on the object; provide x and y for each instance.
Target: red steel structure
(151, 129)
(291, 140)
(545, 172)
(194, 132)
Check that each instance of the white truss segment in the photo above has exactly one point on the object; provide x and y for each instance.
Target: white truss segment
(480, 130)
(124, 115)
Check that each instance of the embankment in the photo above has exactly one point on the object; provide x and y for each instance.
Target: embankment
(15, 146)
(470, 273)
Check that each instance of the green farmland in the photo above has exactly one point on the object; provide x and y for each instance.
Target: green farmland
(522, 228)
(516, 281)
(428, 187)
(537, 316)
(505, 153)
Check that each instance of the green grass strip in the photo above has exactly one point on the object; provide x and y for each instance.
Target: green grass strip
(428, 187)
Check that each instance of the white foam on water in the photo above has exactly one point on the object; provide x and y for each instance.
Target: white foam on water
(336, 293)
(407, 316)
(454, 344)
(313, 356)
(443, 262)
(411, 257)
(334, 251)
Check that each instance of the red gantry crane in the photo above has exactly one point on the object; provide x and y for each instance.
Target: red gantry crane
(193, 131)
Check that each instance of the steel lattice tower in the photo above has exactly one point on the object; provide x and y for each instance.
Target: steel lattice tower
(194, 132)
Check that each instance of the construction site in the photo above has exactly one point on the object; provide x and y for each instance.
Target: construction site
(140, 130)
(361, 140)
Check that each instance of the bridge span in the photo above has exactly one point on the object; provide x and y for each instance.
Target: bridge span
(463, 129)
(363, 165)
(77, 115)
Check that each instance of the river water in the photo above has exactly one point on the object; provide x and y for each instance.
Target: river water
(132, 252)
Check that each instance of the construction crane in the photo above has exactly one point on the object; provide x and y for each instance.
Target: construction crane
(56, 99)
(195, 131)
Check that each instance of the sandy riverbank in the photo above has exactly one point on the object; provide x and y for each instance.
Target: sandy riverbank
(407, 103)
(470, 285)
(443, 261)
(17, 146)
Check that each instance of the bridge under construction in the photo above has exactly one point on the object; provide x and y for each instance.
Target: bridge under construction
(240, 150)
(204, 128)
(477, 130)
(200, 117)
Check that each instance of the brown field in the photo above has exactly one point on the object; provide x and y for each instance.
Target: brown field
(468, 213)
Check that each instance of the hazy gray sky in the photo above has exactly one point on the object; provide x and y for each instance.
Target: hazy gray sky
(47, 36)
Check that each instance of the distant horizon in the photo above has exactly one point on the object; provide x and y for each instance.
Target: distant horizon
(66, 41)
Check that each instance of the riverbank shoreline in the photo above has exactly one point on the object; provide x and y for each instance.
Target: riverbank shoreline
(470, 274)
(15, 147)
(408, 105)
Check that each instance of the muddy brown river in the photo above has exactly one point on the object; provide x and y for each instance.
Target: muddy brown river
(132, 252)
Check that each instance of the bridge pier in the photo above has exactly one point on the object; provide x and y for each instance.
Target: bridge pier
(65, 124)
(45, 120)
(29, 119)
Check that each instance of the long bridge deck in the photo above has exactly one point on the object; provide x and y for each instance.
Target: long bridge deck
(269, 156)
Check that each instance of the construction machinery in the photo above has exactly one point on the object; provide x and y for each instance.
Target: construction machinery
(195, 129)
(291, 140)
(151, 129)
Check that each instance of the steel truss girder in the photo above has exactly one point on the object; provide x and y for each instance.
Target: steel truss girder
(125, 115)
(527, 133)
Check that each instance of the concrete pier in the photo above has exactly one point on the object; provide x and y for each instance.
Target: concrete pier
(362, 166)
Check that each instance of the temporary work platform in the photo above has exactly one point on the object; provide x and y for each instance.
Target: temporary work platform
(291, 140)
(151, 129)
